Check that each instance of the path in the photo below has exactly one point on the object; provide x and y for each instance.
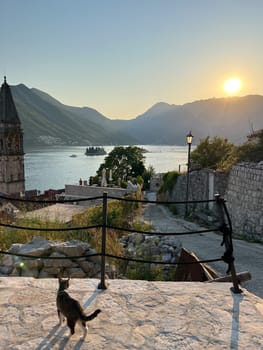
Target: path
(248, 256)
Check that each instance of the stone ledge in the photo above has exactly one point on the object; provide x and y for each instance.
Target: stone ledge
(135, 315)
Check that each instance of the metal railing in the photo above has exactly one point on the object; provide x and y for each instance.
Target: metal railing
(225, 227)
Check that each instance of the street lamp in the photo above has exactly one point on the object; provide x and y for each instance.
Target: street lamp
(189, 140)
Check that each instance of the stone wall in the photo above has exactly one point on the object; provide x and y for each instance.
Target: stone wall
(151, 248)
(244, 197)
(81, 191)
(66, 266)
(242, 188)
(160, 248)
(202, 186)
(93, 191)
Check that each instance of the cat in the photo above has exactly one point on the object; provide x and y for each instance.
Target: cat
(71, 309)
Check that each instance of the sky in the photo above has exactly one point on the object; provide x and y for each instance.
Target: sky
(123, 56)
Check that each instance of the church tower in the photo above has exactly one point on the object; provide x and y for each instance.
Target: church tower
(12, 175)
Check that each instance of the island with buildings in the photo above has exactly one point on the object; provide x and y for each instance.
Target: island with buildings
(95, 151)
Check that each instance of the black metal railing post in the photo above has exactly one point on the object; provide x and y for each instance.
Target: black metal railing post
(102, 284)
(227, 241)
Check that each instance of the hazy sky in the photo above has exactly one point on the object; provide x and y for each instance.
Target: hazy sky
(122, 56)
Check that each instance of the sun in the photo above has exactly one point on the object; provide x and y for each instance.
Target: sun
(232, 86)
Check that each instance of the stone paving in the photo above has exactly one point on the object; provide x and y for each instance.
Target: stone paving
(248, 255)
(135, 315)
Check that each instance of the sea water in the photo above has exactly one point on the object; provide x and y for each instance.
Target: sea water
(54, 167)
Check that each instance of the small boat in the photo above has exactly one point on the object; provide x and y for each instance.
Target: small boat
(73, 155)
(190, 270)
(95, 151)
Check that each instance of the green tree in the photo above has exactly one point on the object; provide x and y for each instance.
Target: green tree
(251, 151)
(124, 163)
(147, 175)
(215, 153)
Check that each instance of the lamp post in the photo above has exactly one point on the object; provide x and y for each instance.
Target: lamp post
(189, 140)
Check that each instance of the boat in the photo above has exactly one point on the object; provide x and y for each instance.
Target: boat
(190, 270)
(95, 151)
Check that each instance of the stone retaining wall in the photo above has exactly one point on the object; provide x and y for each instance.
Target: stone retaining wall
(12, 265)
(159, 248)
(242, 188)
(151, 248)
(244, 197)
(202, 186)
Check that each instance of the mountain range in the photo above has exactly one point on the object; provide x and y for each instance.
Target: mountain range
(46, 121)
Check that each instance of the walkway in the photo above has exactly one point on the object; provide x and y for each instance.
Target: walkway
(248, 256)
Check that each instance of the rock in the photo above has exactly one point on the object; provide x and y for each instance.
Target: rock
(111, 271)
(81, 267)
(15, 247)
(86, 266)
(57, 262)
(155, 248)
(45, 274)
(54, 271)
(39, 246)
(76, 273)
(33, 263)
(7, 264)
(29, 273)
(94, 259)
(71, 248)
(6, 270)
(167, 257)
(8, 260)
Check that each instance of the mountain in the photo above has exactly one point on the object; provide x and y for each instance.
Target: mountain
(233, 118)
(46, 121)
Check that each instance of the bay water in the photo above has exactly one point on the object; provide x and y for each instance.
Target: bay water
(54, 167)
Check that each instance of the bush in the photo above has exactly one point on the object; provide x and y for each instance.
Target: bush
(169, 181)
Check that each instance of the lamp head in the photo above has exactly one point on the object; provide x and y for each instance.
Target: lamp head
(189, 138)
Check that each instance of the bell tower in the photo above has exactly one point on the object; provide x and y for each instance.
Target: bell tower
(12, 175)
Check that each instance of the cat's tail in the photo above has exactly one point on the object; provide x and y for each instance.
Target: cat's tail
(91, 316)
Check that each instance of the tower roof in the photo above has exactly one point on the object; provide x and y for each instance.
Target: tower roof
(8, 112)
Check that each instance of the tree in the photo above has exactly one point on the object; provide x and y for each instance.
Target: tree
(215, 153)
(124, 163)
(147, 175)
(252, 150)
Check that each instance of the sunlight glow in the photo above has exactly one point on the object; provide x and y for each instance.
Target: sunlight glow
(232, 86)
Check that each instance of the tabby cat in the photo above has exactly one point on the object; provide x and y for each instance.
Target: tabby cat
(71, 309)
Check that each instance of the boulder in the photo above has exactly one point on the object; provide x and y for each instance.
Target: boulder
(8, 260)
(39, 246)
(87, 266)
(71, 248)
(76, 272)
(6, 270)
(61, 263)
(67, 265)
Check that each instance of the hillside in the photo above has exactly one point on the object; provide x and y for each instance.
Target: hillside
(232, 118)
(46, 121)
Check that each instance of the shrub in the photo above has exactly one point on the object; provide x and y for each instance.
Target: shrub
(169, 180)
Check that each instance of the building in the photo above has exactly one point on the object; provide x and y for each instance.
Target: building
(12, 175)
